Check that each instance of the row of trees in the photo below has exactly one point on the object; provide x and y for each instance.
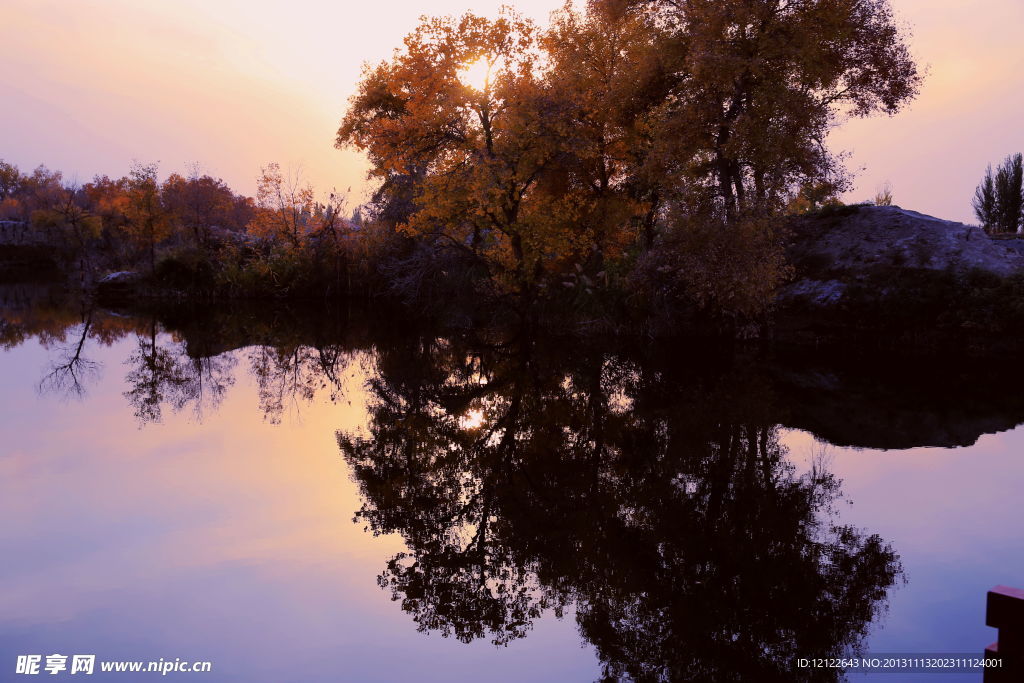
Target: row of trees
(635, 138)
(184, 220)
(999, 199)
(137, 206)
(645, 147)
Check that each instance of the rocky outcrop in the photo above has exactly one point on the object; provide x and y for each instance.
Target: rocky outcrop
(120, 284)
(836, 248)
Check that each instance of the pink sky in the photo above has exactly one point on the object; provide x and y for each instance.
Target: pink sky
(232, 85)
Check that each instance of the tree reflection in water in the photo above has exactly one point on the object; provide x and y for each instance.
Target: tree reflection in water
(658, 504)
(162, 374)
(70, 369)
(650, 495)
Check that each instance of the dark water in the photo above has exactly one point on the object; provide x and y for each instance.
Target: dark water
(309, 495)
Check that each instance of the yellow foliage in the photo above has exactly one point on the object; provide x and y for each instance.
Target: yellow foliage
(147, 221)
(284, 207)
(544, 151)
(521, 163)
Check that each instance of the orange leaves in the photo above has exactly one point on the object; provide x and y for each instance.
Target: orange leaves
(540, 151)
(478, 145)
(10, 208)
(499, 153)
(284, 207)
(197, 203)
(762, 82)
(148, 221)
(108, 198)
(417, 108)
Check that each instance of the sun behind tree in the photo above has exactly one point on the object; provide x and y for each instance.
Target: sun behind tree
(622, 130)
(477, 74)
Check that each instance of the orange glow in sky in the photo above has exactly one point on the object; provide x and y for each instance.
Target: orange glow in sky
(232, 85)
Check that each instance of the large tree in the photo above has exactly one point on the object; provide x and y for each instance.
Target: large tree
(463, 109)
(544, 151)
(755, 85)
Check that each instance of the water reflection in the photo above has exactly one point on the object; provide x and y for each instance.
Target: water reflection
(70, 369)
(879, 400)
(160, 375)
(646, 492)
(663, 508)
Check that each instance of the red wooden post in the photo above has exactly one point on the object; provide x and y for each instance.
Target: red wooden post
(1005, 611)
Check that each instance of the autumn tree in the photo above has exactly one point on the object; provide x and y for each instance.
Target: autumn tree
(756, 84)
(107, 198)
(750, 90)
(603, 65)
(10, 180)
(462, 111)
(538, 150)
(67, 215)
(147, 218)
(283, 207)
(31, 192)
(197, 203)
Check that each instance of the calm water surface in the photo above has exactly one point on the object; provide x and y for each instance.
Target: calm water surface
(307, 497)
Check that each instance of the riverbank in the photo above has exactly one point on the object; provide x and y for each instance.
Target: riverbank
(861, 275)
(886, 275)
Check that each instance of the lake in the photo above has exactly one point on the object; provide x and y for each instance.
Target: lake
(311, 494)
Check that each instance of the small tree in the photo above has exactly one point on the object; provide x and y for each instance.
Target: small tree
(198, 203)
(284, 207)
(147, 218)
(10, 180)
(72, 221)
(1010, 193)
(999, 199)
(985, 201)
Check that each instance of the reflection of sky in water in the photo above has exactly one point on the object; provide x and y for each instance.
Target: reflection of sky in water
(954, 516)
(232, 541)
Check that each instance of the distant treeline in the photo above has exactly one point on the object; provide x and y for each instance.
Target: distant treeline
(189, 234)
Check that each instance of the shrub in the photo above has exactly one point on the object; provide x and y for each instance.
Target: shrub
(185, 268)
(730, 270)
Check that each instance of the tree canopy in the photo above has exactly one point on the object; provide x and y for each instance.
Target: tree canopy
(541, 151)
(656, 501)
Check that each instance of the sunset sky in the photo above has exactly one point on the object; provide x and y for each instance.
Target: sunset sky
(87, 87)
